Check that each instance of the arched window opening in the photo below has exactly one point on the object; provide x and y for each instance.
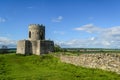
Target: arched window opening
(29, 34)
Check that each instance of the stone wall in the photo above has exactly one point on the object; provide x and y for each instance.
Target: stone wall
(21, 46)
(105, 61)
(46, 46)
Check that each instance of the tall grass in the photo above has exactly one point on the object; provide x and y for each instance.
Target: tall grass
(47, 67)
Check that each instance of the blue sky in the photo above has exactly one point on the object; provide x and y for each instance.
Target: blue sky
(70, 23)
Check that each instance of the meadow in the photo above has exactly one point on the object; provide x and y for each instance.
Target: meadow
(47, 67)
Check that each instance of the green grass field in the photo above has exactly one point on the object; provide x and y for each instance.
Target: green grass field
(47, 67)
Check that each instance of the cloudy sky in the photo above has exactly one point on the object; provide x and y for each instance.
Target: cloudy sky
(70, 23)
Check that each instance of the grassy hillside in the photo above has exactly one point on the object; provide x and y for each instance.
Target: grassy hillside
(47, 67)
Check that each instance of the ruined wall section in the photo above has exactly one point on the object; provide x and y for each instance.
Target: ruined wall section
(38, 48)
(108, 61)
(23, 47)
(33, 46)
(46, 46)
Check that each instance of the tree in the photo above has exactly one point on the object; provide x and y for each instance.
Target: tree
(4, 49)
(57, 48)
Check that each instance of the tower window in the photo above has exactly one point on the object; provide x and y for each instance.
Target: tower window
(29, 34)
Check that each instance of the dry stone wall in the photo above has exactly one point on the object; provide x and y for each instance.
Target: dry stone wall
(105, 61)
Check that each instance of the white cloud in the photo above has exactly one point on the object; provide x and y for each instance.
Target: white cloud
(2, 20)
(58, 19)
(74, 43)
(104, 37)
(59, 32)
(92, 38)
(90, 28)
(8, 42)
(85, 43)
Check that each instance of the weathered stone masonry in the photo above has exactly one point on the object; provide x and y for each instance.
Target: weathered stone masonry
(108, 61)
(36, 44)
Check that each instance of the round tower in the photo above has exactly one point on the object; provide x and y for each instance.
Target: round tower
(36, 32)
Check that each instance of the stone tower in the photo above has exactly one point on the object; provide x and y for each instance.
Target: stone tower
(36, 43)
(36, 32)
